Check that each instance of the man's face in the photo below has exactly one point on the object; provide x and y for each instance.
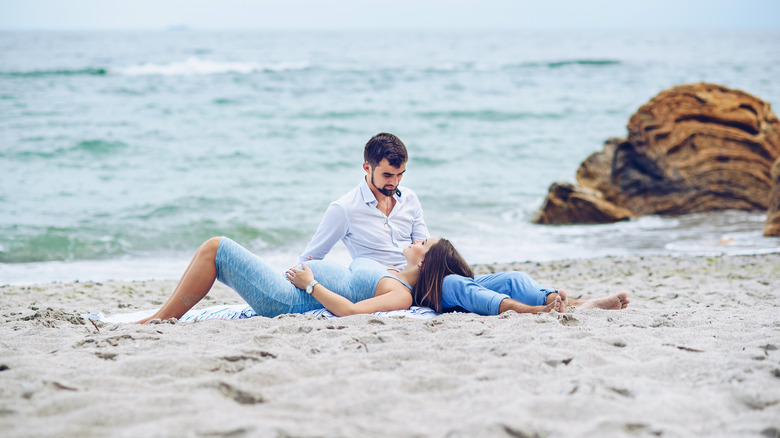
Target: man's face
(385, 177)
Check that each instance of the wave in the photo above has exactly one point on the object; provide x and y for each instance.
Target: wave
(98, 240)
(488, 115)
(567, 63)
(585, 62)
(197, 66)
(89, 147)
(98, 146)
(89, 71)
(189, 67)
(489, 67)
(337, 115)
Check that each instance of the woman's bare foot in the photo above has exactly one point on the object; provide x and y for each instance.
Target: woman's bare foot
(145, 320)
(613, 302)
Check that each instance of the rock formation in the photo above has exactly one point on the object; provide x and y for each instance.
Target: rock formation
(692, 148)
(772, 226)
(567, 204)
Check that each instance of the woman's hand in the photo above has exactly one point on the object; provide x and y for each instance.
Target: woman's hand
(300, 277)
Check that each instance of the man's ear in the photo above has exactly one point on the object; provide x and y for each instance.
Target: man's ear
(366, 167)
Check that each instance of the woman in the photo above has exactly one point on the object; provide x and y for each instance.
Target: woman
(365, 287)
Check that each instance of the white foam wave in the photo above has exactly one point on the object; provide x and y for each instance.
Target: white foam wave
(137, 268)
(197, 66)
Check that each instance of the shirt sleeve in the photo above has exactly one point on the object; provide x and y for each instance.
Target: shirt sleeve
(419, 229)
(334, 227)
(464, 292)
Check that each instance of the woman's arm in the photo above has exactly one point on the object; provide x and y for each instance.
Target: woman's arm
(396, 297)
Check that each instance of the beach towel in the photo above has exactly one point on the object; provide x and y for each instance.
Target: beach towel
(240, 311)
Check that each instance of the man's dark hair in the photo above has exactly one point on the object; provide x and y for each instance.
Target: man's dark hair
(385, 146)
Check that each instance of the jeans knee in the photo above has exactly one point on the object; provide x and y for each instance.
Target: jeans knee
(518, 279)
(210, 247)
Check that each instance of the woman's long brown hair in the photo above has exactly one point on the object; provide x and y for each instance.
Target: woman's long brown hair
(440, 261)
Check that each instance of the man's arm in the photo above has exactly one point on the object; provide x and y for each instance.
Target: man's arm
(333, 227)
(419, 229)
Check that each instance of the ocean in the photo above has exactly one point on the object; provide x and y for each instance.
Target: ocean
(121, 152)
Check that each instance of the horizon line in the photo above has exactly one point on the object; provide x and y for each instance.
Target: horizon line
(187, 28)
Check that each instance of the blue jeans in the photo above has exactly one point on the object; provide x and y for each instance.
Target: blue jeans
(268, 291)
(484, 293)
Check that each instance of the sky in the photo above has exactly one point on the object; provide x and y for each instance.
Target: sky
(387, 14)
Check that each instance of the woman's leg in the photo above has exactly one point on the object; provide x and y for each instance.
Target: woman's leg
(263, 287)
(193, 285)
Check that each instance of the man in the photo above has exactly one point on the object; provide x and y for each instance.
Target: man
(379, 218)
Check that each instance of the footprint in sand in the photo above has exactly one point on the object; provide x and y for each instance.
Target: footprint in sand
(113, 341)
(567, 319)
(49, 317)
(238, 395)
(497, 430)
(234, 364)
(771, 432)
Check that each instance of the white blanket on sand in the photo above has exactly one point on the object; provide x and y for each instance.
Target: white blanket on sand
(239, 311)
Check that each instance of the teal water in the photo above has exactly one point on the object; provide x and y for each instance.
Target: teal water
(121, 152)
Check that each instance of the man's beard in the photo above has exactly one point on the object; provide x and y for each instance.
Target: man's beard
(386, 192)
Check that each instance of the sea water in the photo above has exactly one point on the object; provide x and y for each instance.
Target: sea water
(121, 152)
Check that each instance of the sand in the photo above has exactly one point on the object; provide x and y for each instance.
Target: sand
(695, 354)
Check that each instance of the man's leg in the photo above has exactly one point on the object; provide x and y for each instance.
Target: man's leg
(473, 296)
(521, 287)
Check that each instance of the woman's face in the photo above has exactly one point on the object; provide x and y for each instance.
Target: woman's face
(415, 253)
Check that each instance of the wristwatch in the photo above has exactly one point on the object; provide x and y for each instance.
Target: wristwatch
(310, 286)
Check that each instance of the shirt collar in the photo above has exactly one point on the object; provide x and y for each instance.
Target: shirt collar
(368, 195)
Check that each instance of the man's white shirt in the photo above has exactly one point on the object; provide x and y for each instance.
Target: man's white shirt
(367, 232)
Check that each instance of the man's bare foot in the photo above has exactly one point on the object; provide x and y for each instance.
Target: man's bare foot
(564, 299)
(613, 302)
(556, 305)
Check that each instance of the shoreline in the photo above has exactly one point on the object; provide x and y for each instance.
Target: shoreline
(125, 270)
(695, 353)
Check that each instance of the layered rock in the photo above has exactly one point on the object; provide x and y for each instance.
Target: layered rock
(692, 148)
(567, 204)
(772, 225)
